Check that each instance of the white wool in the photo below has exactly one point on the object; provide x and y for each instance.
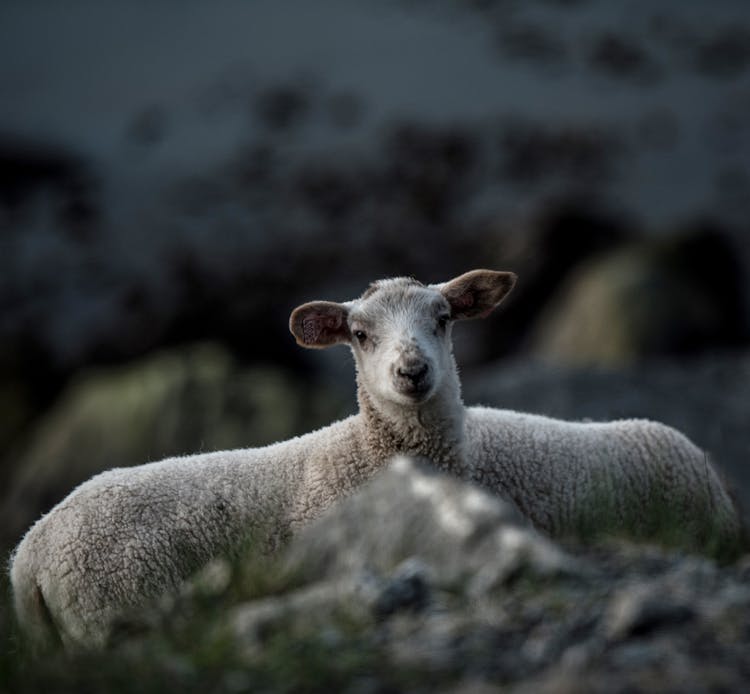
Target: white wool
(130, 535)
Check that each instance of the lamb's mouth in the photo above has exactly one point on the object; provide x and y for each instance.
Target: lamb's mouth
(414, 391)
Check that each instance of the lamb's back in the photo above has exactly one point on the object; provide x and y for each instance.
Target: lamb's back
(555, 470)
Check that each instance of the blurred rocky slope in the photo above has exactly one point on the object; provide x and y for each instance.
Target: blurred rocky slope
(422, 583)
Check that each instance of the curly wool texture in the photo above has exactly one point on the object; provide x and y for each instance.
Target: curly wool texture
(631, 474)
(131, 535)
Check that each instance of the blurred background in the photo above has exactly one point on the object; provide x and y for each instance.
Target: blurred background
(176, 177)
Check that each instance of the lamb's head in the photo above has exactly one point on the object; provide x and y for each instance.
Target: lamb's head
(400, 330)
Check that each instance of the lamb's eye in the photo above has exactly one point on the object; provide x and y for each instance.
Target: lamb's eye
(361, 335)
(442, 322)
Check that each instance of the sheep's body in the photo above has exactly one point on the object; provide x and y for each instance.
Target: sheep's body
(631, 475)
(129, 535)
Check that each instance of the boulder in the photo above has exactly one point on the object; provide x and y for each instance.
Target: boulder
(405, 549)
(461, 533)
(676, 295)
(401, 568)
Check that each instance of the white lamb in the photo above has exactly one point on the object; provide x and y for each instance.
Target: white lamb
(129, 535)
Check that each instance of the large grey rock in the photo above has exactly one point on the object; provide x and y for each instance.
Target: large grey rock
(404, 549)
(463, 535)
(507, 606)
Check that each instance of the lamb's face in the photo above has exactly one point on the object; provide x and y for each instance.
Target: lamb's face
(400, 336)
(400, 330)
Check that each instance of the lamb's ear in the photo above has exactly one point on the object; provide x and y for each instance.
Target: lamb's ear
(476, 293)
(320, 324)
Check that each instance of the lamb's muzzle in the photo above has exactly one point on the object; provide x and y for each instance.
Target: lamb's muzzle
(412, 376)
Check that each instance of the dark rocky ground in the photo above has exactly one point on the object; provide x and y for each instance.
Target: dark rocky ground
(423, 583)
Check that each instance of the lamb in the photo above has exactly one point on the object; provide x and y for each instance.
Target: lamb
(129, 535)
(633, 477)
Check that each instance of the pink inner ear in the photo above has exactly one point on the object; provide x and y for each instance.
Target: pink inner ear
(311, 330)
(315, 326)
(463, 301)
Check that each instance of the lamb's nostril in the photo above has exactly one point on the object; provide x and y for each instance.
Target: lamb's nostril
(414, 372)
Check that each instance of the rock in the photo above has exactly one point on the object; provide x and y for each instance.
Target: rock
(679, 624)
(407, 588)
(381, 595)
(518, 551)
(462, 533)
(355, 596)
(666, 296)
(317, 606)
(639, 610)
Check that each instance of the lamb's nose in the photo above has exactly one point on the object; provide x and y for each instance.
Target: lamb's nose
(414, 372)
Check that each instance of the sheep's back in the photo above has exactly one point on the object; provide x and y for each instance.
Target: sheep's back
(561, 473)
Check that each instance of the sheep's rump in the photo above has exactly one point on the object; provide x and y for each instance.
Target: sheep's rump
(634, 476)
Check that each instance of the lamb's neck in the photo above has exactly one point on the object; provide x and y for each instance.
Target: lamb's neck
(433, 430)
